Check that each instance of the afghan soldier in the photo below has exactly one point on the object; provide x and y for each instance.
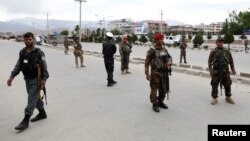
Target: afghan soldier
(33, 66)
(183, 47)
(125, 50)
(108, 51)
(160, 62)
(66, 45)
(78, 52)
(246, 43)
(219, 60)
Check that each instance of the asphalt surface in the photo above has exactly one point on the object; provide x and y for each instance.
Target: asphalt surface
(81, 106)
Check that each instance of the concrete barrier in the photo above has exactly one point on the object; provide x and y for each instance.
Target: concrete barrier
(246, 75)
(245, 81)
(180, 70)
(197, 67)
(193, 72)
(174, 64)
(205, 74)
(184, 65)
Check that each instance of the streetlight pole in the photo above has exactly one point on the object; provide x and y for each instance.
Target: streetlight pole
(104, 25)
(80, 1)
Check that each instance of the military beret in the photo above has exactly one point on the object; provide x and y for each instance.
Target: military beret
(158, 36)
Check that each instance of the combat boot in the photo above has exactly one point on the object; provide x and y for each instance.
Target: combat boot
(24, 124)
(82, 66)
(128, 72)
(123, 72)
(41, 115)
(156, 108)
(229, 100)
(113, 82)
(214, 101)
(163, 105)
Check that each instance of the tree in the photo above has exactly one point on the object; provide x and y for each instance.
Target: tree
(118, 39)
(134, 38)
(225, 27)
(189, 36)
(198, 40)
(98, 32)
(243, 36)
(129, 38)
(115, 32)
(209, 36)
(143, 39)
(183, 36)
(151, 36)
(64, 32)
(228, 38)
(77, 29)
(90, 39)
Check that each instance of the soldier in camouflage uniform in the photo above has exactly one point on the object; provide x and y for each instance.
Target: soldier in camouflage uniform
(183, 47)
(218, 62)
(66, 45)
(160, 62)
(125, 50)
(78, 52)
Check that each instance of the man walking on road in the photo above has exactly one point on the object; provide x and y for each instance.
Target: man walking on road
(108, 51)
(33, 65)
(218, 62)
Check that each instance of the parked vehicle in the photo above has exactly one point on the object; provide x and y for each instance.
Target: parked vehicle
(38, 40)
(172, 40)
(57, 40)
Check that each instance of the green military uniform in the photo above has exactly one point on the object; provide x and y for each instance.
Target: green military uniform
(159, 60)
(78, 52)
(183, 47)
(218, 62)
(66, 45)
(125, 50)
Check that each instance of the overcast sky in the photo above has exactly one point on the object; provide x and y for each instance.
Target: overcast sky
(187, 11)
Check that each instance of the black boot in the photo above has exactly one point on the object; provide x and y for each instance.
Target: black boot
(156, 108)
(24, 124)
(113, 82)
(163, 105)
(41, 115)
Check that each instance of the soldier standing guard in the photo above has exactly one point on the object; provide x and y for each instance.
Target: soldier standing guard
(183, 47)
(125, 49)
(78, 52)
(218, 62)
(66, 45)
(160, 62)
(34, 68)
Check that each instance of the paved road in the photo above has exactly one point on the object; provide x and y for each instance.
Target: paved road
(81, 107)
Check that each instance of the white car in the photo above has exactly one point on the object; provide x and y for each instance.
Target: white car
(172, 40)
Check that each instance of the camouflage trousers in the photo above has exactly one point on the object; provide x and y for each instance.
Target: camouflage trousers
(183, 54)
(226, 82)
(78, 53)
(157, 85)
(124, 62)
(66, 49)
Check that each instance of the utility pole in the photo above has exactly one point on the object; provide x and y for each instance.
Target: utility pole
(48, 23)
(104, 26)
(161, 20)
(80, 1)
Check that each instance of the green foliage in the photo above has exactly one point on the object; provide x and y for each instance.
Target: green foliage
(64, 32)
(198, 40)
(243, 36)
(183, 36)
(134, 38)
(118, 39)
(129, 38)
(189, 36)
(151, 36)
(116, 32)
(209, 36)
(77, 29)
(228, 38)
(90, 38)
(143, 39)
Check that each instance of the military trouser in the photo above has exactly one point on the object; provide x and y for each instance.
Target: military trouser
(33, 99)
(183, 54)
(109, 65)
(246, 48)
(124, 62)
(78, 53)
(226, 82)
(157, 85)
(66, 49)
